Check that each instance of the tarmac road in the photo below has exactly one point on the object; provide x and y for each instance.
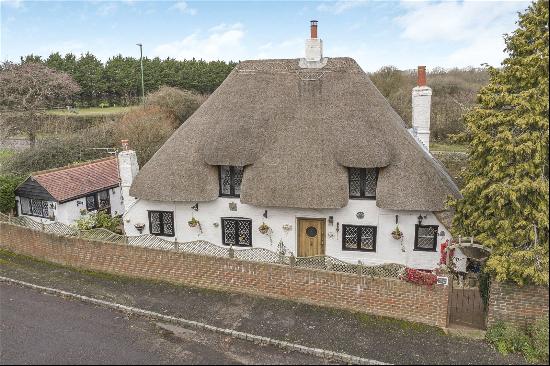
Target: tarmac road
(37, 328)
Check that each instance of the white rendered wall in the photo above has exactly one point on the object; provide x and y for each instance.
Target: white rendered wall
(421, 105)
(388, 250)
(128, 168)
(68, 212)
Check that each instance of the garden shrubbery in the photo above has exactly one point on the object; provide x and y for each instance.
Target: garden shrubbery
(531, 342)
(100, 220)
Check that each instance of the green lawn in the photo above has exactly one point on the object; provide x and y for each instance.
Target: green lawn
(448, 147)
(95, 111)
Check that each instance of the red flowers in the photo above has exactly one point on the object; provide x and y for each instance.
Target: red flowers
(419, 277)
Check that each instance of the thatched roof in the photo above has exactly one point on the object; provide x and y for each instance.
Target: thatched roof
(296, 131)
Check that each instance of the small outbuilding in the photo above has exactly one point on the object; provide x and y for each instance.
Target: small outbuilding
(65, 194)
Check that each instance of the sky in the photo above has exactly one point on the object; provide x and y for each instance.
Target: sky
(375, 33)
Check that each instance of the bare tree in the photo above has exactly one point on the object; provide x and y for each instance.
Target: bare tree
(26, 91)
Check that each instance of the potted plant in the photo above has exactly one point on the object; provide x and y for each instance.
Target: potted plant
(396, 233)
(193, 222)
(264, 228)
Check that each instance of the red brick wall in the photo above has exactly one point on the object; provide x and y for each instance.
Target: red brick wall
(385, 297)
(519, 305)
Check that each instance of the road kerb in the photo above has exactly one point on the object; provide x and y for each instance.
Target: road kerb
(344, 357)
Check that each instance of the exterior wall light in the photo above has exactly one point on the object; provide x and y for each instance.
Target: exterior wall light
(265, 214)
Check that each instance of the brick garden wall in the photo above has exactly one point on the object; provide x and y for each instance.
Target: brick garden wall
(377, 296)
(517, 305)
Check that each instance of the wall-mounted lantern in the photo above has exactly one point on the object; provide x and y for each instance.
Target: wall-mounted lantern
(331, 220)
(265, 214)
(420, 218)
(396, 219)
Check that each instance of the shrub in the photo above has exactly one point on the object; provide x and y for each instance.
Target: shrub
(531, 342)
(180, 104)
(8, 183)
(539, 333)
(146, 129)
(62, 151)
(98, 220)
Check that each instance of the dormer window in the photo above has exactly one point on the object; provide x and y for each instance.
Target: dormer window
(362, 183)
(230, 180)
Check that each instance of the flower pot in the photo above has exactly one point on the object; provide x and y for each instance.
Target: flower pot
(397, 236)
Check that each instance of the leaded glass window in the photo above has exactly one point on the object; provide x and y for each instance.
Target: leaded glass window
(230, 180)
(357, 237)
(425, 238)
(34, 207)
(237, 231)
(91, 202)
(362, 182)
(161, 223)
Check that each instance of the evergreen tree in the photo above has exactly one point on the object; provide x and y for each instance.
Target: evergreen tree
(505, 204)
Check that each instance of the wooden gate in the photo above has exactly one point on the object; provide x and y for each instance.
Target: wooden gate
(467, 308)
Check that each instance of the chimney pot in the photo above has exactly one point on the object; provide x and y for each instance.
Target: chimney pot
(125, 145)
(313, 29)
(421, 76)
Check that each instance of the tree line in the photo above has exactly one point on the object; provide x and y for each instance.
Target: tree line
(118, 80)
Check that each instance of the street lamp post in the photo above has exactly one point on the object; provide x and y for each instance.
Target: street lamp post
(141, 63)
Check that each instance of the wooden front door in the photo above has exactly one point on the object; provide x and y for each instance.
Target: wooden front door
(311, 237)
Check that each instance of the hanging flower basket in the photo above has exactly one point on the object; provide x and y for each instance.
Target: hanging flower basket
(396, 233)
(264, 228)
(193, 222)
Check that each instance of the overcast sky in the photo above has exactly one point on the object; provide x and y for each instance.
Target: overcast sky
(376, 33)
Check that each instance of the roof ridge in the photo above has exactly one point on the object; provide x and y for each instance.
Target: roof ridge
(70, 166)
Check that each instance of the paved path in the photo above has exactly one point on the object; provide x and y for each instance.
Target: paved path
(37, 328)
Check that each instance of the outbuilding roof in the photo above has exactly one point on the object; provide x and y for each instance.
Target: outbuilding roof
(71, 182)
(296, 131)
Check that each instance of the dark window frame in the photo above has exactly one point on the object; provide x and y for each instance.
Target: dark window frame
(30, 213)
(232, 178)
(358, 239)
(236, 231)
(97, 207)
(362, 182)
(161, 223)
(436, 231)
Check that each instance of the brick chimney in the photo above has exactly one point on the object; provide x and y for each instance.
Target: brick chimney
(127, 169)
(421, 108)
(313, 29)
(314, 45)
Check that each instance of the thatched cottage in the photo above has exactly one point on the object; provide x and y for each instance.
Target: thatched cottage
(306, 152)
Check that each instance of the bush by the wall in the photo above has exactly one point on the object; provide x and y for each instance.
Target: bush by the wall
(532, 342)
(8, 183)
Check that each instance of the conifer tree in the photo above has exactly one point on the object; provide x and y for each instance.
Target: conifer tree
(505, 199)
